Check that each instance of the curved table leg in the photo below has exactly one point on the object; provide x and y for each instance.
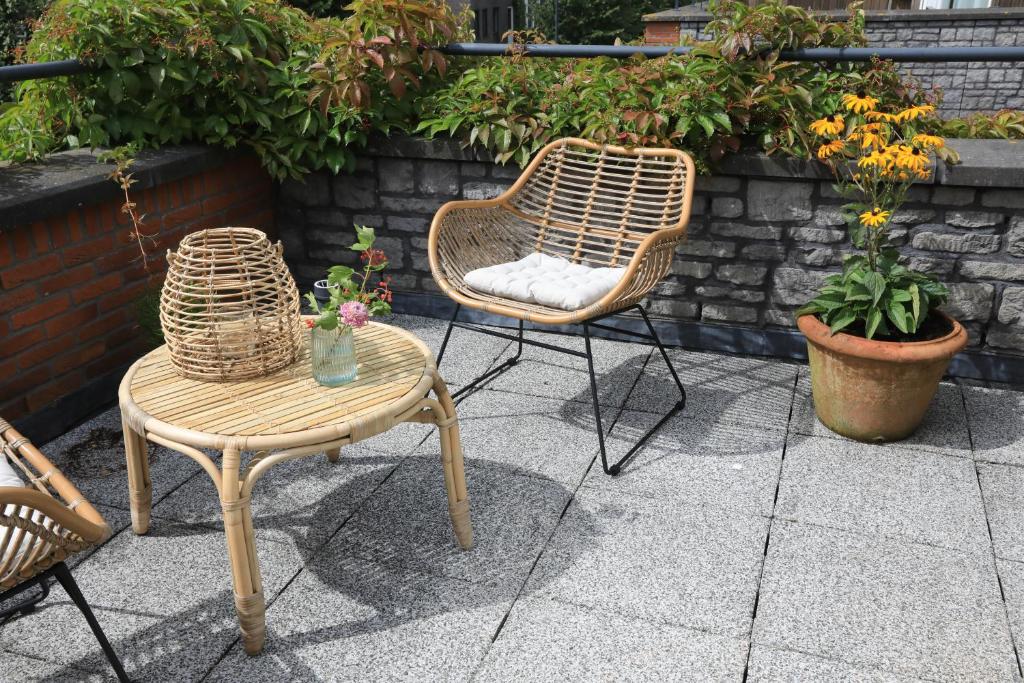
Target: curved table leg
(140, 488)
(245, 568)
(454, 469)
(333, 454)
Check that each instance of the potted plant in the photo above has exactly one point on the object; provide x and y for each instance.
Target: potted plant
(354, 296)
(877, 343)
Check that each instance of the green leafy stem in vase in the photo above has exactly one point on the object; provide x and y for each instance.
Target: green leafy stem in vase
(355, 295)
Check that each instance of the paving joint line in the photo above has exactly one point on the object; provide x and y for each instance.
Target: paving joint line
(991, 541)
(768, 533)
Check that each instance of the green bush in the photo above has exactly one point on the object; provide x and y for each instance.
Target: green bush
(16, 18)
(729, 88)
(593, 22)
(301, 92)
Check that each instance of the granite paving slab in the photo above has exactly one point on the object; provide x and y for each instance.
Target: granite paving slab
(1011, 578)
(655, 560)
(544, 640)
(406, 523)
(769, 665)
(997, 424)
(92, 456)
(164, 601)
(719, 388)
(117, 519)
(944, 429)
(348, 619)
(1003, 489)
(541, 372)
(468, 355)
(905, 608)
(28, 669)
(302, 502)
(720, 464)
(551, 438)
(881, 490)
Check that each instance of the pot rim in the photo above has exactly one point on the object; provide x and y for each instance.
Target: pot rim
(945, 346)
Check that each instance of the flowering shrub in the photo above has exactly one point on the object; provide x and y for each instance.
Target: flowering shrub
(876, 155)
(703, 102)
(355, 296)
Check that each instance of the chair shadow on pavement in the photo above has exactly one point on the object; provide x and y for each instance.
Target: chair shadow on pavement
(366, 580)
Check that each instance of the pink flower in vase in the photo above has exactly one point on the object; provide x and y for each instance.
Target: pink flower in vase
(354, 314)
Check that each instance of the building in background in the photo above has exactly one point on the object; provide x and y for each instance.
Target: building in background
(493, 17)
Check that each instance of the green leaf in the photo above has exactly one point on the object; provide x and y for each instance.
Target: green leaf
(328, 321)
(157, 73)
(115, 88)
(915, 304)
(898, 315)
(875, 284)
(365, 237)
(873, 320)
(843, 320)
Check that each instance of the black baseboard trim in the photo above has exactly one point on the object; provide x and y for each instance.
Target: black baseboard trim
(71, 410)
(698, 336)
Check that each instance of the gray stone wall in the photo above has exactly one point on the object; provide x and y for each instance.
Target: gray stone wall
(967, 87)
(763, 235)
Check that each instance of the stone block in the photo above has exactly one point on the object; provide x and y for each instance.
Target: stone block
(795, 286)
(355, 191)
(472, 169)
(1011, 308)
(754, 232)
(482, 190)
(764, 252)
(396, 175)
(931, 265)
(741, 274)
(727, 207)
(712, 291)
(974, 219)
(508, 171)
(717, 184)
(823, 235)
(829, 215)
(407, 205)
(672, 308)
(708, 248)
(750, 296)
(958, 243)
(970, 301)
(695, 269)
(986, 270)
(725, 313)
(437, 178)
(1000, 337)
(953, 196)
(912, 216)
(771, 200)
(818, 256)
(1015, 237)
(419, 225)
(313, 190)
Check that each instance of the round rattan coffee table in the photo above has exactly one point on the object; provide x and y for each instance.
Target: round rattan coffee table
(283, 416)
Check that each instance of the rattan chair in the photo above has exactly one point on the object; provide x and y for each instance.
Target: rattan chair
(41, 525)
(594, 205)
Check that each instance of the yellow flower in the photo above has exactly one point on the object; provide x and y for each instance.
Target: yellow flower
(916, 111)
(874, 218)
(912, 159)
(830, 125)
(869, 135)
(928, 141)
(879, 116)
(876, 159)
(924, 174)
(830, 148)
(860, 103)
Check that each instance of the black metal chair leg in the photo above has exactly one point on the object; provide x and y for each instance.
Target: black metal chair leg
(664, 355)
(493, 372)
(26, 605)
(448, 334)
(63, 575)
(613, 469)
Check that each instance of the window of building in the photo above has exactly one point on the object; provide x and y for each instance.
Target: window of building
(483, 24)
(497, 23)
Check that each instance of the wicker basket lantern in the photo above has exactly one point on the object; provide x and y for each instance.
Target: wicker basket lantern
(229, 307)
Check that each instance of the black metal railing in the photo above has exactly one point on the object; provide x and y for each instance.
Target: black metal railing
(70, 67)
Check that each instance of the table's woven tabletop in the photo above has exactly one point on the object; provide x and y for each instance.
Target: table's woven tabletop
(391, 363)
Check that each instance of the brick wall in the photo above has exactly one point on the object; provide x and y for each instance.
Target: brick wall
(70, 273)
(967, 87)
(764, 234)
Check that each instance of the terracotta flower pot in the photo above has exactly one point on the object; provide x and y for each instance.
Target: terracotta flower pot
(873, 390)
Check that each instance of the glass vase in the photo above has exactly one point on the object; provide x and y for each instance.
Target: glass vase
(333, 356)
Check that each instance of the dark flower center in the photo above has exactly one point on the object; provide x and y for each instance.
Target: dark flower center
(830, 118)
(861, 94)
(916, 151)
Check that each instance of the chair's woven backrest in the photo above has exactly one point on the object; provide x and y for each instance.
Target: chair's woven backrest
(595, 203)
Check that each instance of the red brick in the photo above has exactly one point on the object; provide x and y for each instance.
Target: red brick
(21, 241)
(41, 237)
(72, 320)
(45, 307)
(44, 351)
(184, 214)
(223, 201)
(124, 296)
(67, 279)
(77, 358)
(27, 271)
(12, 344)
(13, 409)
(22, 296)
(19, 383)
(84, 252)
(98, 287)
(104, 325)
(114, 360)
(58, 230)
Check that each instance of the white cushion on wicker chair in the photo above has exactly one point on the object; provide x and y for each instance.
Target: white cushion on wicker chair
(8, 477)
(546, 280)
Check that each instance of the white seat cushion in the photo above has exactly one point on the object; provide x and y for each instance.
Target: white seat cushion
(546, 280)
(8, 477)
